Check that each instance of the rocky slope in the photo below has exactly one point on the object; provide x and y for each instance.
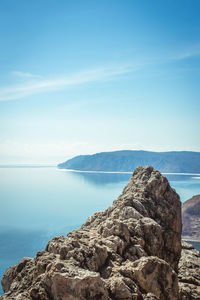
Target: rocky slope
(129, 252)
(191, 218)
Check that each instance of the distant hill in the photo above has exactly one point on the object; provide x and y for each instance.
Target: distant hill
(191, 218)
(128, 160)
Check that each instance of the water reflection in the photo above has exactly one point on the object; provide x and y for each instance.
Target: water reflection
(102, 178)
(99, 179)
(185, 185)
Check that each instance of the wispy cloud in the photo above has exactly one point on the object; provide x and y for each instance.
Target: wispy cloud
(15, 152)
(25, 74)
(187, 53)
(30, 87)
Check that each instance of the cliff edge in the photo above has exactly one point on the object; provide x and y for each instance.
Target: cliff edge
(191, 218)
(129, 252)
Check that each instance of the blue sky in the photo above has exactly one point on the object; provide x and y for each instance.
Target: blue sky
(81, 77)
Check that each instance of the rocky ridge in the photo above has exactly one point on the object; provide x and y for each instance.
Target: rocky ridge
(191, 218)
(129, 252)
(128, 160)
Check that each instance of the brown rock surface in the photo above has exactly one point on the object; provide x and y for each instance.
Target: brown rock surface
(189, 273)
(129, 252)
(191, 218)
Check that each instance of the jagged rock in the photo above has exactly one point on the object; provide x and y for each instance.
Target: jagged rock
(130, 251)
(189, 273)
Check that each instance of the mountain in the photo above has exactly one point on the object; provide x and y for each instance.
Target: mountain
(130, 251)
(191, 218)
(128, 160)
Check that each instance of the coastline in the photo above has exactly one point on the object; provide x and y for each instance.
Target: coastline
(190, 240)
(121, 172)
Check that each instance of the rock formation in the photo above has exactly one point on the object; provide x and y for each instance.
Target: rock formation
(129, 252)
(191, 218)
(189, 273)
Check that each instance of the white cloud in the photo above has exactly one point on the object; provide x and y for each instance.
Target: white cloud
(187, 53)
(14, 92)
(14, 152)
(25, 74)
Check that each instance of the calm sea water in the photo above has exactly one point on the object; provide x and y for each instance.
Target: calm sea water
(39, 203)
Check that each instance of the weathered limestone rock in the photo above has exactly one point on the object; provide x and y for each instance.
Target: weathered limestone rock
(130, 251)
(69, 282)
(189, 273)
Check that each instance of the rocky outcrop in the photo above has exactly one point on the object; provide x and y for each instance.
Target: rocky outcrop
(129, 252)
(191, 218)
(189, 273)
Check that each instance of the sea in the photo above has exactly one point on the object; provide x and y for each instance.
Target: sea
(38, 203)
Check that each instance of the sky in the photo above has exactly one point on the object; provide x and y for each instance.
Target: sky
(80, 77)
